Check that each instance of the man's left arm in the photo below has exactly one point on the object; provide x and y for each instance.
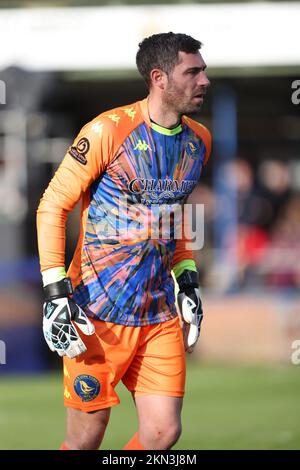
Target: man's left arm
(184, 266)
(189, 302)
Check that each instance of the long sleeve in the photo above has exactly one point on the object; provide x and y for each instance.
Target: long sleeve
(183, 257)
(84, 161)
(181, 253)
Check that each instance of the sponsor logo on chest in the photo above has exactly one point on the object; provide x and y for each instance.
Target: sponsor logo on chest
(160, 190)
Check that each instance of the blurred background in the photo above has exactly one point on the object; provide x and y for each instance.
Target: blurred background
(64, 62)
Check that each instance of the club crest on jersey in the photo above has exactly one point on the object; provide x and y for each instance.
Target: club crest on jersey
(87, 387)
(79, 152)
(193, 149)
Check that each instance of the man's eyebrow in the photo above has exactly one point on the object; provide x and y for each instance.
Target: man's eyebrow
(190, 69)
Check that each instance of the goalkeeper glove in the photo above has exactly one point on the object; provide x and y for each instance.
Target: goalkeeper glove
(190, 306)
(59, 311)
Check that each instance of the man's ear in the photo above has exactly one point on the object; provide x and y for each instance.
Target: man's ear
(158, 78)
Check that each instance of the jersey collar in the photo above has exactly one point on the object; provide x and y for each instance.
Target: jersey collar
(156, 127)
(165, 130)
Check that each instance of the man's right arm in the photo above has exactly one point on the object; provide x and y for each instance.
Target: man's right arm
(84, 161)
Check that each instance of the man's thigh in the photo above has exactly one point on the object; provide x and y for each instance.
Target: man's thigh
(90, 379)
(159, 419)
(158, 408)
(86, 430)
(158, 367)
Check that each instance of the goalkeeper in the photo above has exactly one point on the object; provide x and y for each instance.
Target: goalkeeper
(112, 316)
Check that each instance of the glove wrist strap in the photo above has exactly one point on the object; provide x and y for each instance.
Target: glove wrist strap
(55, 290)
(188, 279)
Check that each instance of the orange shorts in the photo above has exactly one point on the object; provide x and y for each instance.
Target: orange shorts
(148, 359)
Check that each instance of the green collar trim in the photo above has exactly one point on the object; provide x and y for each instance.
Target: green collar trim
(165, 130)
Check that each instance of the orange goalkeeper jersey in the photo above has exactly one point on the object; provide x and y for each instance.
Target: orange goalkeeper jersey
(130, 174)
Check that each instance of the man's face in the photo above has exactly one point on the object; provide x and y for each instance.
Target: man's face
(186, 84)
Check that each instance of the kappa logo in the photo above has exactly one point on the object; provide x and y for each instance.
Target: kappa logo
(79, 152)
(67, 394)
(130, 112)
(115, 118)
(142, 145)
(97, 127)
(66, 372)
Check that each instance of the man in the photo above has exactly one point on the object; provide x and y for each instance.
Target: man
(119, 290)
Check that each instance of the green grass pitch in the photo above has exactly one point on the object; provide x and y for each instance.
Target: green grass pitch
(226, 407)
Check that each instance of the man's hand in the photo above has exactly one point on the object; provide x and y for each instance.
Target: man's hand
(59, 312)
(190, 307)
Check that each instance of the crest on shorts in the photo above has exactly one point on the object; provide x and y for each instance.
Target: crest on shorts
(79, 152)
(87, 387)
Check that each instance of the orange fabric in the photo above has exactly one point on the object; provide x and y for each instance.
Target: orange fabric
(148, 359)
(196, 126)
(64, 447)
(181, 252)
(97, 143)
(202, 132)
(134, 444)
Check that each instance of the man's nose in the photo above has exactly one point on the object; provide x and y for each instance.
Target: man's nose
(203, 80)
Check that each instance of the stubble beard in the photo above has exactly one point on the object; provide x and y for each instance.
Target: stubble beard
(176, 100)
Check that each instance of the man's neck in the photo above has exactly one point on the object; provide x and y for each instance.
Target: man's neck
(161, 115)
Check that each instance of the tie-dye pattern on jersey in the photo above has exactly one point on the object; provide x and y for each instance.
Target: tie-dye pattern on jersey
(132, 178)
(127, 275)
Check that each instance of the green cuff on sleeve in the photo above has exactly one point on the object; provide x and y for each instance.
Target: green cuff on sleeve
(182, 265)
(53, 275)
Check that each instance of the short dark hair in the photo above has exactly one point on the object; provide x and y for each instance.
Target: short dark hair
(161, 51)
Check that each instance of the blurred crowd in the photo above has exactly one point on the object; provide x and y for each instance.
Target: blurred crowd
(264, 244)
